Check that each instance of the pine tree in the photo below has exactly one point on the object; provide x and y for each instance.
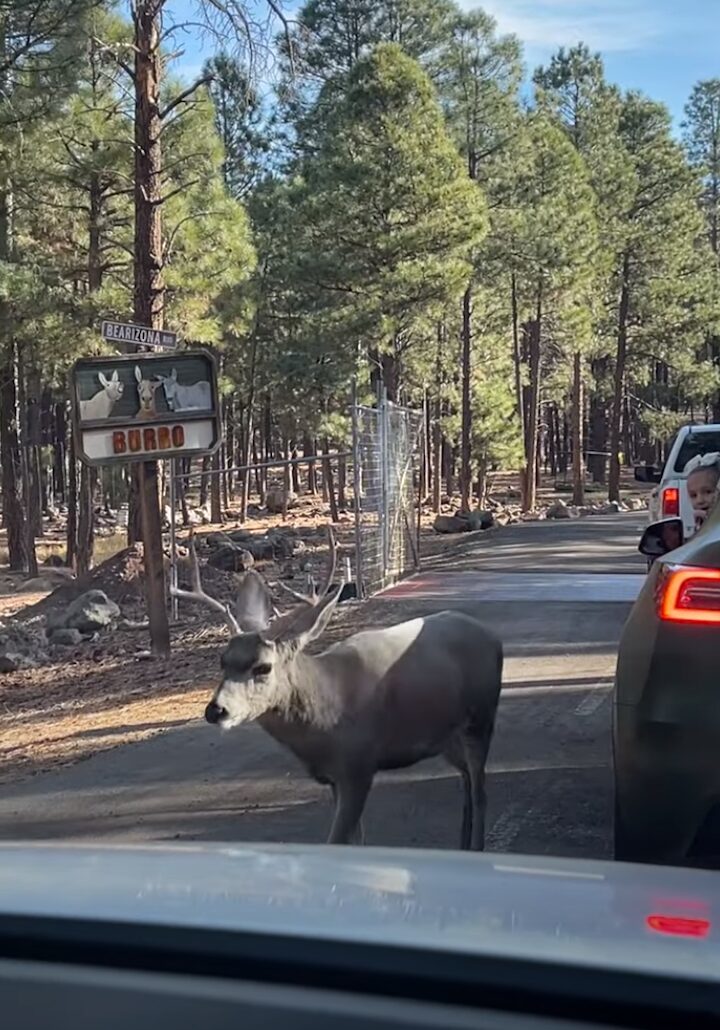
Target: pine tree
(479, 87)
(387, 216)
(549, 222)
(659, 276)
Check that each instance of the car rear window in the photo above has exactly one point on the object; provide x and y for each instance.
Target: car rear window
(694, 444)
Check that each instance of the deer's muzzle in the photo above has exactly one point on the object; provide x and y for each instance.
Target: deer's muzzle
(215, 713)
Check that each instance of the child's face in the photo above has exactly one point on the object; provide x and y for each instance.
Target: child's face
(702, 485)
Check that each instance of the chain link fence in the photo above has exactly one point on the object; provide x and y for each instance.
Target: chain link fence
(387, 443)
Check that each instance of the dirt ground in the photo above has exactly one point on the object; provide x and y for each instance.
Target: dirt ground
(112, 691)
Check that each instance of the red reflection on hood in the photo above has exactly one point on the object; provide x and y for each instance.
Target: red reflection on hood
(678, 926)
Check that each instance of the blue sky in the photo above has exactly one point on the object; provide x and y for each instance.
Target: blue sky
(661, 47)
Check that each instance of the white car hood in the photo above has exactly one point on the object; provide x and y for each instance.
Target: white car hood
(606, 915)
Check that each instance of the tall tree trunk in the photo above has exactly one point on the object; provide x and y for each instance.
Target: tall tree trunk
(13, 515)
(149, 288)
(248, 431)
(328, 480)
(517, 357)
(598, 423)
(578, 466)
(86, 519)
(466, 412)
(342, 484)
(437, 430)
(310, 447)
(204, 480)
(618, 393)
(59, 450)
(531, 466)
(215, 505)
(72, 513)
(25, 467)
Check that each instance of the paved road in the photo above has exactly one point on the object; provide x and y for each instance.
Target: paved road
(549, 786)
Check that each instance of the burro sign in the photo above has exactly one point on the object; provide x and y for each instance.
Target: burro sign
(144, 407)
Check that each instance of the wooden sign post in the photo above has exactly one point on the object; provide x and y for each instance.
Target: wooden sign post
(140, 409)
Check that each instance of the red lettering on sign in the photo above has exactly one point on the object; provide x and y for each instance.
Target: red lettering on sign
(149, 438)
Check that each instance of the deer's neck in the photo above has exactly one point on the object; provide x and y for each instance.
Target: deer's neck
(305, 693)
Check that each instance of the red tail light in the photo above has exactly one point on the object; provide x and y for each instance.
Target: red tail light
(670, 501)
(689, 595)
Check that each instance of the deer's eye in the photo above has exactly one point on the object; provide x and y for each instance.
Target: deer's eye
(262, 670)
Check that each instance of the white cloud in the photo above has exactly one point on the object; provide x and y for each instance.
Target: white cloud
(607, 25)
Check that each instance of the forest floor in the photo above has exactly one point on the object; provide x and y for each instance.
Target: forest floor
(111, 691)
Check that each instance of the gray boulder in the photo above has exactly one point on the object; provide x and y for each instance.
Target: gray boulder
(66, 637)
(231, 558)
(88, 613)
(240, 536)
(8, 664)
(276, 501)
(479, 520)
(215, 540)
(464, 522)
(558, 510)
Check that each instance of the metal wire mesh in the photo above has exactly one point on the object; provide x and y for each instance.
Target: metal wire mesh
(387, 448)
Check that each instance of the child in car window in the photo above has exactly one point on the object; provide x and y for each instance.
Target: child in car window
(702, 485)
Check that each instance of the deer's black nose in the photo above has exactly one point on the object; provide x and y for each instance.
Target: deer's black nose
(214, 712)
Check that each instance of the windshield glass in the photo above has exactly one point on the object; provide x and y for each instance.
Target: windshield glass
(342, 345)
(696, 444)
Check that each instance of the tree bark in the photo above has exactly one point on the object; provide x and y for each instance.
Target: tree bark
(328, 480)
(466, 412)
(310, 447)
(620, 361)
(437, 430)
(72, 515)
(578, 463)
(598, 423)
(86, 520)
(531, 466)
(517, 357)
(149, 287)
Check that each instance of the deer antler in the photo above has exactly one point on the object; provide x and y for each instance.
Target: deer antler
(316, 596)
(198, 595)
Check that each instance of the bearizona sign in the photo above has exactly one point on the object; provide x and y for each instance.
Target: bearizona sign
(138, 335)
(145, 406)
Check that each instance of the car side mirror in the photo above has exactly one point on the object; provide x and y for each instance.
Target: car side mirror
(661, 537)
(647, 474)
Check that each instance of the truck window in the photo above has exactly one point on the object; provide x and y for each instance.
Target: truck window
(694, 444)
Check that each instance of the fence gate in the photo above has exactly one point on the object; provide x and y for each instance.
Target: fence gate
(386, 457)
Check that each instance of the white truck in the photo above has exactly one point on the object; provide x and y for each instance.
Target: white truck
(670, 498)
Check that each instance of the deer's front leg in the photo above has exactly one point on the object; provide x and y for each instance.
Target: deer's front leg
(350, 795)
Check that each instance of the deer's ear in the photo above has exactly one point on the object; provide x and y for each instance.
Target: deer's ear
(138, 373)
(115, 376)
(253, 607)
(303, 625)
(103, 379)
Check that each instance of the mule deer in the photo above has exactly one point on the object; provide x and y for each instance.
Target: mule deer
(381, 699)
(101, 404)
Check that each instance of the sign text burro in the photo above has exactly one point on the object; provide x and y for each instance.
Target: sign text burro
(143, 407)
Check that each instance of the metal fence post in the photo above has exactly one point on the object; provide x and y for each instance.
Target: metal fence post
(384, 484)
(173, 544)
(357, 491)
